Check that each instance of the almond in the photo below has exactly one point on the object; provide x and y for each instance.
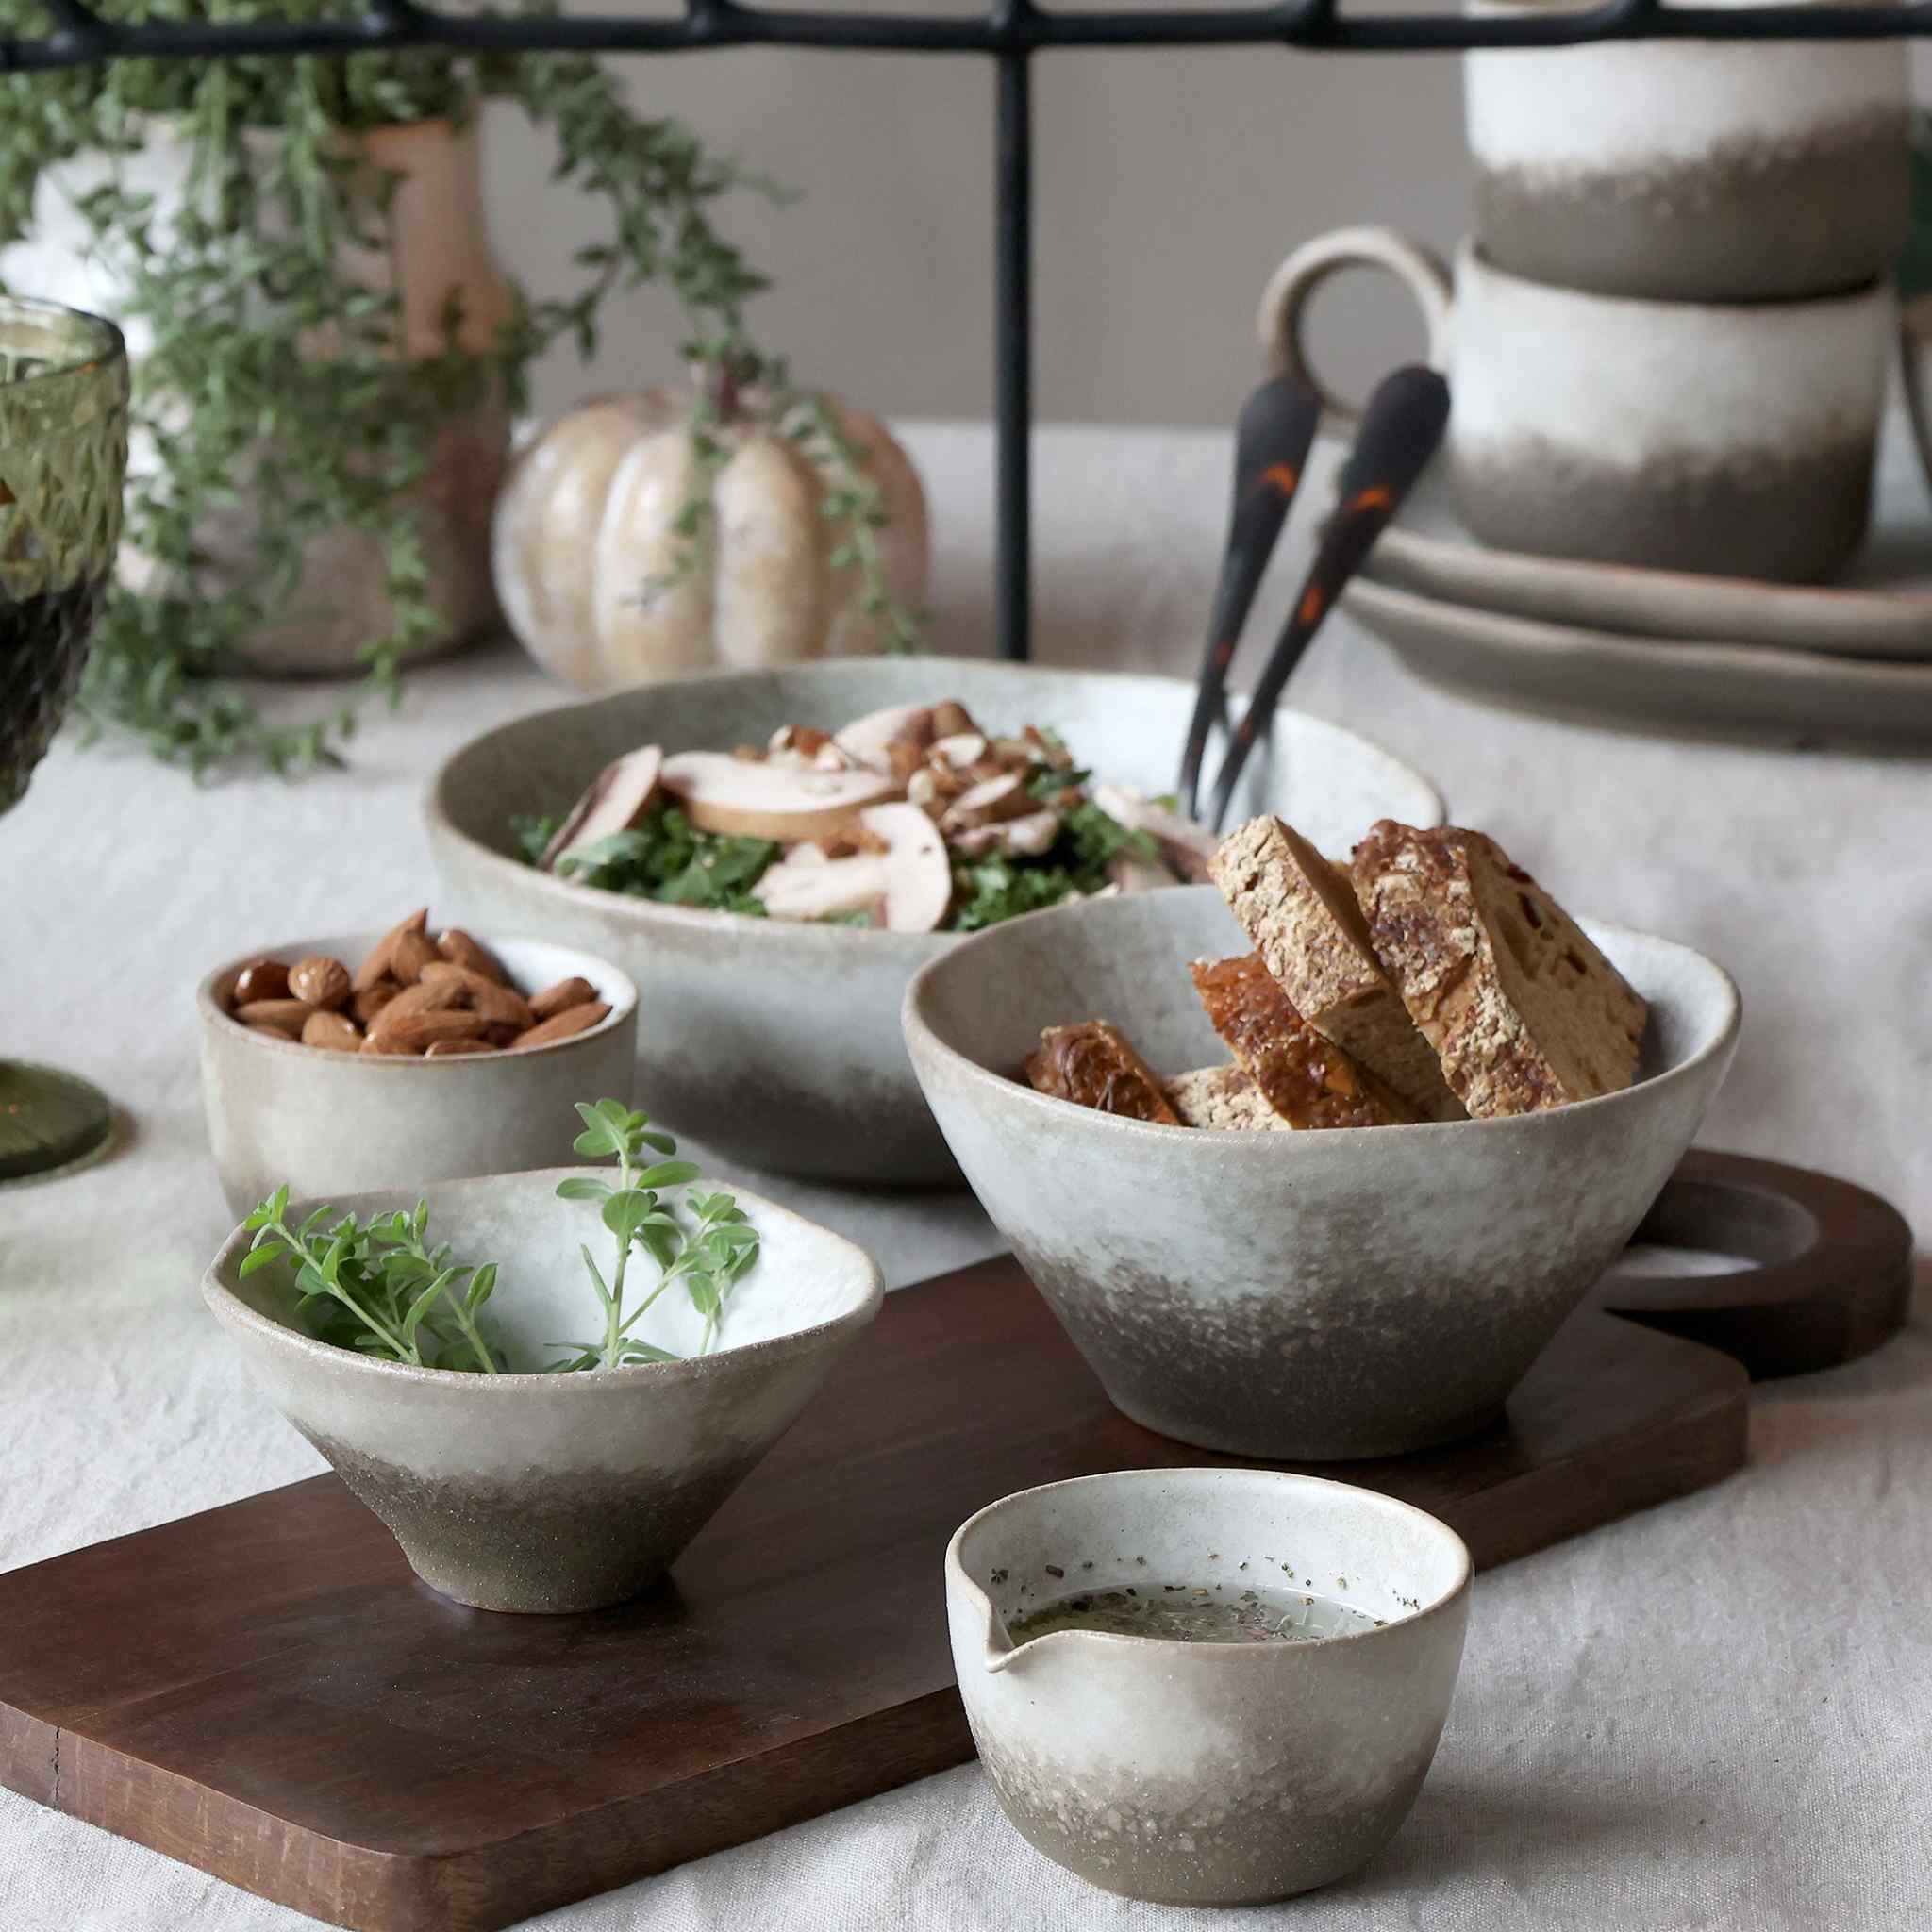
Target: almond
(336, 1031)
(457, 945)
(502, 1005)
(371, 1000)
(416, 1031)
(577, 1018)
(277, 1033)
(442, 1049)
(401, 1049)
(563, 995)
(377, 964)
(444, 995)
(289, 1015)
(261, 979)
(409, 955)
(320, 980)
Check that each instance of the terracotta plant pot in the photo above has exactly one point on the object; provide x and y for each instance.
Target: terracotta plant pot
(439, 248)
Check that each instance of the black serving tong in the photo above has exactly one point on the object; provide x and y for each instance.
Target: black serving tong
(1400, 427)
(1272, 440)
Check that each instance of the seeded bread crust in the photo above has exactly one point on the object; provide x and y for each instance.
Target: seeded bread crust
(1300, 914)
(1307, 1079)
(1525, 1012)
(1221, 1098)
(1092, 1064)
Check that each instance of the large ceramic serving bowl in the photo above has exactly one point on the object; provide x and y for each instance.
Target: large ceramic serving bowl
(530, 1492)
(779, 1042)
(327, 1123)
(1363, 1292)
(1207, 1773)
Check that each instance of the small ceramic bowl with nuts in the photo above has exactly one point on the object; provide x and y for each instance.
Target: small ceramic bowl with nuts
(392, 1060)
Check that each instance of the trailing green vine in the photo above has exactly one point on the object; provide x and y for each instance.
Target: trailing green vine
(237, 283)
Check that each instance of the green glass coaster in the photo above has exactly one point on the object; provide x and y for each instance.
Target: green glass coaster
(49, 1121)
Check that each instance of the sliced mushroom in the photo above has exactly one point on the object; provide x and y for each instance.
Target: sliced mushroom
(919, 869)
(962, 749)
(743, 798)
(868, 738)
(910, 874)
(1021, 838)
(821, 887)
(897, 738)
(1185, 845)
(618, 798)
(989, 803)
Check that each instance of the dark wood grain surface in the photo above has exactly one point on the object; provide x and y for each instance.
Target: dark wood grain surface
(1833, 1265)
(266, 1691)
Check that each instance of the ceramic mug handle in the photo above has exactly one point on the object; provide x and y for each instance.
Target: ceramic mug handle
(1279, 324)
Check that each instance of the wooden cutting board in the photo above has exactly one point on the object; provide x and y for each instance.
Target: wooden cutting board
(266, 1691)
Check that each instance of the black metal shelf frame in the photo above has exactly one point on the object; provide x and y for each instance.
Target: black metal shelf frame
(1010, 34)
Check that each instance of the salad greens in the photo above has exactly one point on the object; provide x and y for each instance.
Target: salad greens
(666, 859)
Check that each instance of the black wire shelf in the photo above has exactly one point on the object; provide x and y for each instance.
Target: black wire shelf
(1010, 34)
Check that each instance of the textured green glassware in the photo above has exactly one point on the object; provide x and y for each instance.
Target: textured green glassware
(63, 455)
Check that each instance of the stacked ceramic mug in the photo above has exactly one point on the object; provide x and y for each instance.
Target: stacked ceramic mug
(1668, 340)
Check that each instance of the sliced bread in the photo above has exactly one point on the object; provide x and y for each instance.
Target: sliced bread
(1522, 1010)
(1092, 1064)
(1221, 1098)
(1300, 914)
(1307, 1079)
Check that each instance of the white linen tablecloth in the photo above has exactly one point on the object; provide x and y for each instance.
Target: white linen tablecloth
(1711, 1715)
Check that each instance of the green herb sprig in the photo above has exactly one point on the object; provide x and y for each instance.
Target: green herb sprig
(378, 1288)
(708, 1257)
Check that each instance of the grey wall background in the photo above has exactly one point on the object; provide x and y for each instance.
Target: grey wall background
(1168, 185)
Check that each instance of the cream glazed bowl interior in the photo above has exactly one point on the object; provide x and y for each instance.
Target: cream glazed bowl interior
(554, 1492)
(1207, 1773)
(329, 1122)
(1357, 1292)
(777, 1042)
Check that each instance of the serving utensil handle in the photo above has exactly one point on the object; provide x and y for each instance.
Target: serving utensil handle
(1401, 428)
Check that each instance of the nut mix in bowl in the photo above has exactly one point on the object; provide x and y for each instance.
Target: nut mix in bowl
(443, 1065)
(776, 1039)
(1262, 1243)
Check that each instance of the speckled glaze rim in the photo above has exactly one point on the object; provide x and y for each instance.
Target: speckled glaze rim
(1001, 1088)
(228, 1306)
(647, 915)
(1215, 1655)
(620, 983)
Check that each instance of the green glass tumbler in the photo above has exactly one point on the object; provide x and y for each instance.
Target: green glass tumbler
(63, 455)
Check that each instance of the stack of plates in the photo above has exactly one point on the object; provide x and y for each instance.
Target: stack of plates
(1663, 650)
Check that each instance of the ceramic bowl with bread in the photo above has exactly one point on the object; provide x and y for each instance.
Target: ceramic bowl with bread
(395, 1058)
(771, 1028)
(1313, 1162)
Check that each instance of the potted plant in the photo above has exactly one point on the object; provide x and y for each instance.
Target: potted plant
(327, 358)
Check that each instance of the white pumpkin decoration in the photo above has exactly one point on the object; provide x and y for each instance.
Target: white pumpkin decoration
(595, 576)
